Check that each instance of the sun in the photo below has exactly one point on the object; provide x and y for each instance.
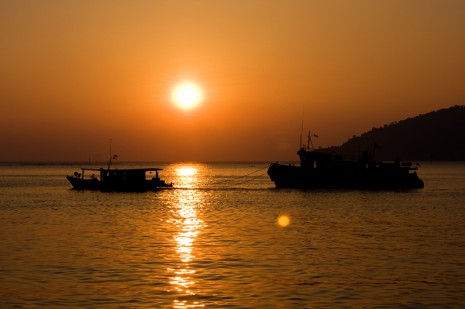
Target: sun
(187, 95)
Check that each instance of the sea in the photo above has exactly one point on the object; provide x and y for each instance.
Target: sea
(225, 237)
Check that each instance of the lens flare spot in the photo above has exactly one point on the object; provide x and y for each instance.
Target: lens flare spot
(284, 220)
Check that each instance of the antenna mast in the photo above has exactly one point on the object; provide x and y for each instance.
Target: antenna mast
(301, 129)
(309, 141)
(109, 161)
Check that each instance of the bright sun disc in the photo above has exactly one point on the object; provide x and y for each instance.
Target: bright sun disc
(187, 95)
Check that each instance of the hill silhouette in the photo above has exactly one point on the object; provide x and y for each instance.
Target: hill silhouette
(438, 135)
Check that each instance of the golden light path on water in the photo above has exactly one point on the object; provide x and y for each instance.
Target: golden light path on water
(188, 224)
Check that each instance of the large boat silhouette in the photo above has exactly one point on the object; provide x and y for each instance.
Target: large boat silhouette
(322, 169)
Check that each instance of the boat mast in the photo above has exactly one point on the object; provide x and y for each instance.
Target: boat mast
(109, 161)
(111, 156)
(301, 131)
(309, 141)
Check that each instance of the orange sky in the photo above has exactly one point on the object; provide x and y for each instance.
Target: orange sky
(74, 74)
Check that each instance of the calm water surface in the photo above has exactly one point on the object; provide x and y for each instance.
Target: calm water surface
(215, 242)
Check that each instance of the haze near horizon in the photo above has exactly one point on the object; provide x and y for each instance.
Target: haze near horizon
(76, 73)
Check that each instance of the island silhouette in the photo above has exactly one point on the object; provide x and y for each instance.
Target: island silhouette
(438, 136)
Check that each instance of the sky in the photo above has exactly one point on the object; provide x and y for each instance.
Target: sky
(76, 73)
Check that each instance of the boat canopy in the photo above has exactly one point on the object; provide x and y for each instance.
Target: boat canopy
(124, 169)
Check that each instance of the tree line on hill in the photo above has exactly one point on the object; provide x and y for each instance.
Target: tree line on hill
(438, 136)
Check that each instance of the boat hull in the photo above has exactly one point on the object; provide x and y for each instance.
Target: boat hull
(84, 184)
(350, 177)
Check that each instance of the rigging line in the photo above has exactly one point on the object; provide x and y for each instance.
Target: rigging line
(233, 182)
(245, 180)
(242, 176)
(253, 172)
(250, 179)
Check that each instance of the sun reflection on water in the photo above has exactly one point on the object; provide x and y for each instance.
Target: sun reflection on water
(186, 217)
(186, 171)
(186, 177)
